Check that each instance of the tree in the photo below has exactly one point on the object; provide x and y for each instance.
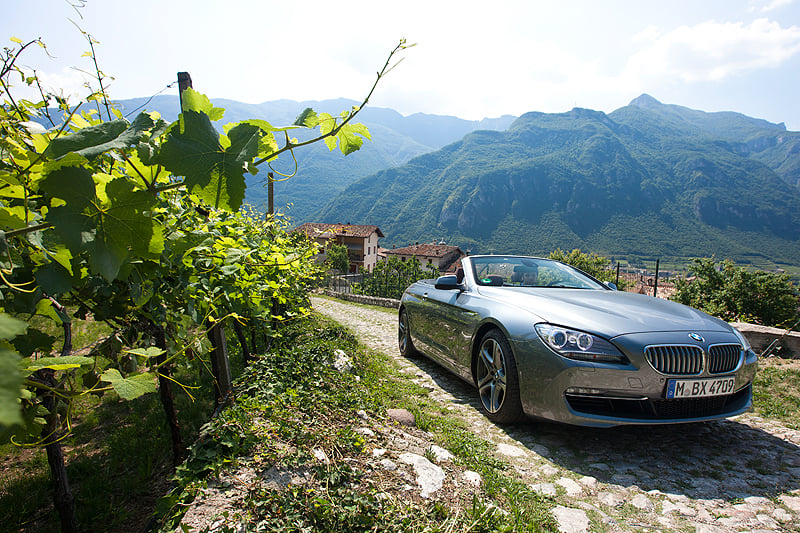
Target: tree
(591, 263)
(338, 259)
(736, 294)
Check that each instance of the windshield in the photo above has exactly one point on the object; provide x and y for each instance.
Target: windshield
(515, 271)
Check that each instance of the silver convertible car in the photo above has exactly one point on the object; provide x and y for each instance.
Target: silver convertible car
(541, 339)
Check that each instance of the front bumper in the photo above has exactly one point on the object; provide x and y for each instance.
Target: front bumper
(604, 395)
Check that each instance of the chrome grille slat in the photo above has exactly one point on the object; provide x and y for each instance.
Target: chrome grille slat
(675, 360)
(723, 358)
(686, 360)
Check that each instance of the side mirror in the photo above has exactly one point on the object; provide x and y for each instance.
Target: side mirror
(448, 282)
(610, 285)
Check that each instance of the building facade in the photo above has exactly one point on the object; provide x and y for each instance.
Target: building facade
(440, 256)
(361, 242)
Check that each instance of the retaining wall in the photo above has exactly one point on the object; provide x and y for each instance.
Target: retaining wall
(363, 299)
(760, 337)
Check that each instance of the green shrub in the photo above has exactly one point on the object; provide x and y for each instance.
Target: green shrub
(338, 258)
(390, 278)
(736, 294)
(591, 263)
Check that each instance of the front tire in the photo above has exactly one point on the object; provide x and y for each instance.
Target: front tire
(497, 380)
(404, 342)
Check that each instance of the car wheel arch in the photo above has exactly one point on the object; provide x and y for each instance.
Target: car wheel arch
(509, 409)
(410, 349)
(477, 338)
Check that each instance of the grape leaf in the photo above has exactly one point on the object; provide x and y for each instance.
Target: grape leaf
(84, 138)
(307, 118)
(149, 352)
(214, 174)
(10, 386)
(10, 376)
(349, 141)
(131, 387)
(59, 363)
(130, 136)
(53, 279)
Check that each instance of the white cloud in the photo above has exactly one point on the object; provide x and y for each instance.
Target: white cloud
(713, 51)
(66, 82)
(771, 5)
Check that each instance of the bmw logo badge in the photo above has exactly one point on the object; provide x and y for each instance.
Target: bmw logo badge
(696, 337)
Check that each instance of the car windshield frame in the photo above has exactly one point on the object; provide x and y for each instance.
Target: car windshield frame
(531, 272)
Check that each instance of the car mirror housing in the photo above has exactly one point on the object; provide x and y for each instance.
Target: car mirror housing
(448, 282)
(611, 285)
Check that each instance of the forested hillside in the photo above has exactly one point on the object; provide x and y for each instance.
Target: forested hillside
(646, 180)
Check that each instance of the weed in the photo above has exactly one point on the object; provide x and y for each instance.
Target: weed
(775, 394)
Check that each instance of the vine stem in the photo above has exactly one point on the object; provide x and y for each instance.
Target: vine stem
(382, 73)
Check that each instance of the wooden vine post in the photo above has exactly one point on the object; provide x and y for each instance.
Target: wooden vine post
(63, 500)
(220, 364)
(167, 396)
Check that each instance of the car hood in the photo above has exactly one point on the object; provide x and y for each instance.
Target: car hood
(608, 313)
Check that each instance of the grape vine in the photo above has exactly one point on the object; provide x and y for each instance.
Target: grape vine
(140, 225)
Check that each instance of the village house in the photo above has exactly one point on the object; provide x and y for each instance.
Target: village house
(361, 242)
(440, 256)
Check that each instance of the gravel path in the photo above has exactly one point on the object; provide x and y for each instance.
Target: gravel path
(741, 474)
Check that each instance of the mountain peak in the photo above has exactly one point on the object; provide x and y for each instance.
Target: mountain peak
(646, 101)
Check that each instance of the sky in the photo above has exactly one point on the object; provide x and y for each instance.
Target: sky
(471, 60)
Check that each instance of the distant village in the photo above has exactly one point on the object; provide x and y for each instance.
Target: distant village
(364, 251)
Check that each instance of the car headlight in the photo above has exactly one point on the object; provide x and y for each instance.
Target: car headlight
(745, 345)
(579, 345)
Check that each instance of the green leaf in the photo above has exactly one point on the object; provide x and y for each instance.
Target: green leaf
(45, 307)
(70, 182)
(11, 327)
(11, 381)
(126, 218)
(106, 258)
(349, 141)
(308, 118)
(53, 279)
(131, 387)
(214, 174)
(34, 340)
(192, 100)
(12, 217)
(85, 138)
(59, 363)
(130, 136)
(148, 352)
(109, 229)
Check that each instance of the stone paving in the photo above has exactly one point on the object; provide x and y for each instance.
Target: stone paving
(740, 474)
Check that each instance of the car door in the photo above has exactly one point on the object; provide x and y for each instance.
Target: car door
(451, 321)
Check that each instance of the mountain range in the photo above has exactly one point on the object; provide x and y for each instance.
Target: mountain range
(647, 180)
(322, 174)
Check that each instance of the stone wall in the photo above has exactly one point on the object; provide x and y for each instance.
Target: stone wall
(363, 299)
(760, 337)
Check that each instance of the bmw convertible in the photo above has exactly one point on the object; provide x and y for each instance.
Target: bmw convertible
(541, 339)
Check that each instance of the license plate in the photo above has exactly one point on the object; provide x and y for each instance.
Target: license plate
(699, 388)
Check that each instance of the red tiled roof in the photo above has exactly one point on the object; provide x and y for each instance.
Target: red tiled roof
(426, 250)
(323, 229)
